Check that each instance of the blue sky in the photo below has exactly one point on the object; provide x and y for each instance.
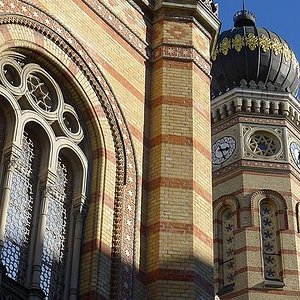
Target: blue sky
(279, 16)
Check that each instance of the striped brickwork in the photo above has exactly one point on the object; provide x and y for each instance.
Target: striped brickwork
(148, 228)
(92, 61)
(242, 188)
(179, 227)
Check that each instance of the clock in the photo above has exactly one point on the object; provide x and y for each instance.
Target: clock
(222, 149)
(295, 153)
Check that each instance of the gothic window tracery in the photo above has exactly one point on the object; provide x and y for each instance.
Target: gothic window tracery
(53, 255)
(38, 193)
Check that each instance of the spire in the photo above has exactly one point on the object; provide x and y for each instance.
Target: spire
(244, 17)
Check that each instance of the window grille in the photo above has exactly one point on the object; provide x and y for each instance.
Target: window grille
(38, 193)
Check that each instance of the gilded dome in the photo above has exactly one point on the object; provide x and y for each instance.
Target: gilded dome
(248, 56)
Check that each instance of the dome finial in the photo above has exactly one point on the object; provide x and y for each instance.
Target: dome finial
(244, 17)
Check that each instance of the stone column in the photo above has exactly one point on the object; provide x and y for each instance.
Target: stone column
(179, 229)
(79, 211)
(35, 290)
(6, 191)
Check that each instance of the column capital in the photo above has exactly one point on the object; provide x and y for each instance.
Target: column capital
(205, 12)
(80, 206)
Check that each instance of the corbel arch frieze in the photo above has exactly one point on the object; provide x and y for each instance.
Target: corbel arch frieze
(25, 15)
(277, 199)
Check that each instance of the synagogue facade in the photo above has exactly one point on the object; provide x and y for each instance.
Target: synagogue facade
(144, 155)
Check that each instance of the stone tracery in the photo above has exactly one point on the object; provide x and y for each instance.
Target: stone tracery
(44, 219)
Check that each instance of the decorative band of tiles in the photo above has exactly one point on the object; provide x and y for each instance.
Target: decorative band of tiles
(118, 25)
(184, 53)
(253, 42)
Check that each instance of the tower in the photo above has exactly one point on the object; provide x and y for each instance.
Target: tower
(255, 157)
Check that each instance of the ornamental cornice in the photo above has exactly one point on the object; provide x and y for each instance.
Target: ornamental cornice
(263, 120)
(208, 4)
(204, 11)
(254, 165)
(183, 53)
(257, 104)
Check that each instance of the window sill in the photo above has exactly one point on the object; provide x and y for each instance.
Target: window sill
(277, 284)
(226, 289)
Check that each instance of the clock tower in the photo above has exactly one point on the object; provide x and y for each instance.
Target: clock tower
(256, 163)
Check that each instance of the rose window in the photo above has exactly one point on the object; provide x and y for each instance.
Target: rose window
(42, 92)
(264, 144)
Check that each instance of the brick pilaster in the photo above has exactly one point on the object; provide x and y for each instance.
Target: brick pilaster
(179, 225)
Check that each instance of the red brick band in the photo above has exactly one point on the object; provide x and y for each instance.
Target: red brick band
(180, 275)
(180, 183)
(179, 228)
(181, 140)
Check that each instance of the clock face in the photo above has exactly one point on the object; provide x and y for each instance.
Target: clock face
(295, 153)
(222, 149)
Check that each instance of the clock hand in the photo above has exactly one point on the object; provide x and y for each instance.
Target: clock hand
(223, 149)
(226, 148)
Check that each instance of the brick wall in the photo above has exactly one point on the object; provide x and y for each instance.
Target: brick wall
(144, 91)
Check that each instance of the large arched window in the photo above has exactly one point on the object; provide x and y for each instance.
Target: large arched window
(19, 212)
(43, 179)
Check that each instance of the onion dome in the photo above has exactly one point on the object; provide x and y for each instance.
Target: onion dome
(248, 56)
